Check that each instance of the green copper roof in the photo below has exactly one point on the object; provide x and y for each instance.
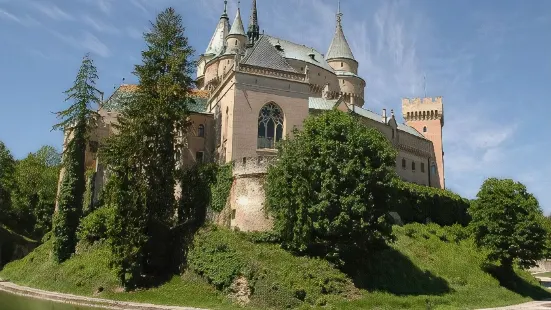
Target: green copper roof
(237, 26)
(315, 103)
(218, 41)
(339, 47)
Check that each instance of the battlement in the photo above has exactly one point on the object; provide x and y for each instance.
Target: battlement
(419, 109)
(421, 101)
(248, 166)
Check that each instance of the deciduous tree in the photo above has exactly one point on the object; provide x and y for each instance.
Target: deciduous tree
(332, 185)
(508, 221)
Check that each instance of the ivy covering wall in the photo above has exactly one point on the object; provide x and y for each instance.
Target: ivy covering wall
(417, 203)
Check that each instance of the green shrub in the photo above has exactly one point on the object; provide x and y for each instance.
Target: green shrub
(95, 226)
(417, 203)
(277, 279)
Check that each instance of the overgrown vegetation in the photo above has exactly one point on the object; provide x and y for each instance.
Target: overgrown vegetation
(76, 122)
(220, 188)
(427, 265)
(331, 188)
(419, 204)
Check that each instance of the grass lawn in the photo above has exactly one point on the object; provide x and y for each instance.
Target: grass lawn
(424, 269)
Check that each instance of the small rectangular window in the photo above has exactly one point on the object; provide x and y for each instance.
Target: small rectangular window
(233, 214)
(422, 167)
(404, 163)
(413, 165)
(199, 157)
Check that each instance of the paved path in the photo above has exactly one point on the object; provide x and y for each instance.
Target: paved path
(80, 300)
(533, 305)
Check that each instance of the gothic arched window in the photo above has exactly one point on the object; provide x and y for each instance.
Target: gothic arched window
(270, 126)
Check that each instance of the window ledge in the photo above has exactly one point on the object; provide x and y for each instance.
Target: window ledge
(266, 151)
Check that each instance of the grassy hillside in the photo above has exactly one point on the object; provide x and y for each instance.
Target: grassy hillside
(425, 266)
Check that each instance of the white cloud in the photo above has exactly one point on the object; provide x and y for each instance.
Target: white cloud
(26, 21)
(87, 42)
(52, 11)
(100, 25)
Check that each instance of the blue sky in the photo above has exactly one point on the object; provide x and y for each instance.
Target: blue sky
(490, 60)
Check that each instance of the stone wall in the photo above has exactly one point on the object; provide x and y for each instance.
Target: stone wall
(247, 196)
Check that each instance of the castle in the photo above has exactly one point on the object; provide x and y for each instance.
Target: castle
(254, 89)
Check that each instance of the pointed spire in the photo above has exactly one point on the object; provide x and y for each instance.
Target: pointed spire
(237, 26)
(254, 30)
(218, 40)
(339, 47)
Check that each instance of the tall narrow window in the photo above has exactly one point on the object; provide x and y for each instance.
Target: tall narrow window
(425, 129)
(413, 165)
(423, 167)
(199, 157)
(433, 169)
(404, 163)
(201, 130)
(270, 126)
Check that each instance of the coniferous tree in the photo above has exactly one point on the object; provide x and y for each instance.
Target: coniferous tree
(75, 122)
(142, 156)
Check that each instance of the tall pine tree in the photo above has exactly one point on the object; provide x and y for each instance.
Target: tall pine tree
(76, 122)
(142, 156)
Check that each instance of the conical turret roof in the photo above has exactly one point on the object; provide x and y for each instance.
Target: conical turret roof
(237, 26)
(339, 47)
(218, 40)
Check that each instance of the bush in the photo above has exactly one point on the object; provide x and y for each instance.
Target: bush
(418, 203)
(220, 188)
(331, 187)
(96, 225)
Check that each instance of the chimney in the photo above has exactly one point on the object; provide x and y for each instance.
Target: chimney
(384, 116)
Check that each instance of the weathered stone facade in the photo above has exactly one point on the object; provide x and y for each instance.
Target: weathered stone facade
(254, 89)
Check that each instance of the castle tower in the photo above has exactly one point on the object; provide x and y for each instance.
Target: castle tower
(341, 59)
(237, 38)
(253, 32)
(426, 115)
(217, 45)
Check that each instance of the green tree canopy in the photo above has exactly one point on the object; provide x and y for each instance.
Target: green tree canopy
(142, 157)
(7, 170)
(508, 221)
(332, 185)
(76, 122)
(36, 178)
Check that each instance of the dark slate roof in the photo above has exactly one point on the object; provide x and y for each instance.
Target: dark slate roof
(217, 43)
(264, 54)
(196, 103)
(296, 51)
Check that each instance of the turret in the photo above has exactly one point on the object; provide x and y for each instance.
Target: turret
(218, 41)
(237, 38)
(340, 58)
(253, 32)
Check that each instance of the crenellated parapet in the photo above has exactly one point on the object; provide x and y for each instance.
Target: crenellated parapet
(420, 109)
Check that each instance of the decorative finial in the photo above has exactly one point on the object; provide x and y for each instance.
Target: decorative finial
(225, 6)
(339, 14)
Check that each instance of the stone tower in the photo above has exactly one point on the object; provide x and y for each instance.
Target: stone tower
(340, 58)
(237, 38)
(426, 115)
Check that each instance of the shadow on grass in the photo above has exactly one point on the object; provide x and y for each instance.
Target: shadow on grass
(390, 271)
(517, 284)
